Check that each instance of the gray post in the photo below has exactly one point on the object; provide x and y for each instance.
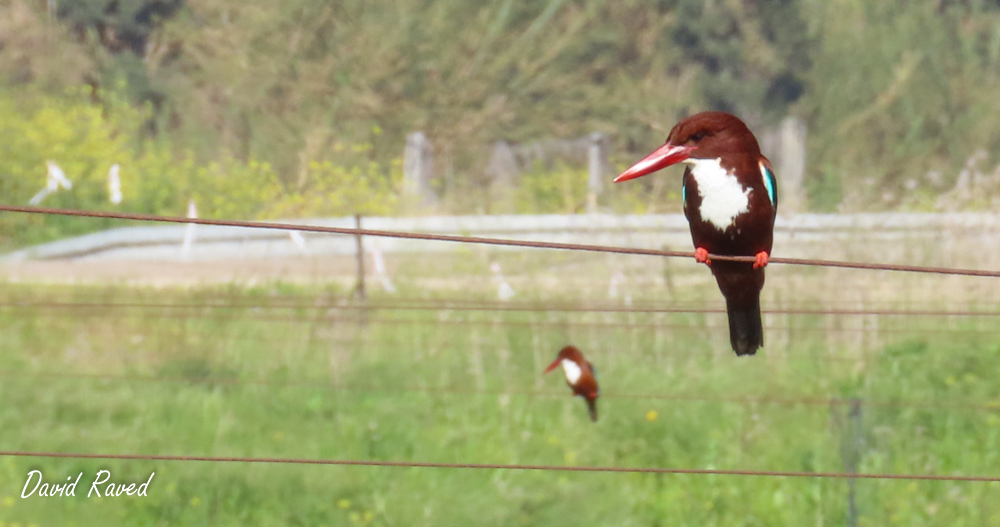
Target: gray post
(417, 162)
(597, 165)
(792, 164)
(668, 274)
(502, 170)
(852, 444)
(503, 167)
(359, 290)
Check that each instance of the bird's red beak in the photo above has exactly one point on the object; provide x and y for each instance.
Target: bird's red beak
(553, 366)
(662, 157)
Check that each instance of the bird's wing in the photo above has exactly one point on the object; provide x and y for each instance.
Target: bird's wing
(770, 182)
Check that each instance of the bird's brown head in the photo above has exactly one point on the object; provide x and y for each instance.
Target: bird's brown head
(705, 135)
(568, 352)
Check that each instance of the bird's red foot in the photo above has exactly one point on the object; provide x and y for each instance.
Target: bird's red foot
(701, 256)
(761, 260)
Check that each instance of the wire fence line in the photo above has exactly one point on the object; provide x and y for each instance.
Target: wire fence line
(195, 315)
(748, 400)
(456, 306)
(542, 245)
(493, 241)
(358, 340)
(499, 466)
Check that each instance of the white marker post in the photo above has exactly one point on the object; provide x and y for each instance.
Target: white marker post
(380, 273)
(189, 231)
(504, 291)
(54, 179)
(616, 279)
(299, 241)
(114, 185)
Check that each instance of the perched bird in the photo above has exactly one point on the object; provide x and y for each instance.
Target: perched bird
(580, 376)
(730, 200)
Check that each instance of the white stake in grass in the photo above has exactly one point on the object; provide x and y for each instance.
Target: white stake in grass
(54, 179)
(618, 279)
(299, 241)
(380, 273)
(114, 185)
(504, 290)
(189, 231)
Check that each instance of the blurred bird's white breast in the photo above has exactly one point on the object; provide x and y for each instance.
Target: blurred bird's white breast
(572, 371)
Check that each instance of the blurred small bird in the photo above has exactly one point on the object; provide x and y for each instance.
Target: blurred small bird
(580, 376)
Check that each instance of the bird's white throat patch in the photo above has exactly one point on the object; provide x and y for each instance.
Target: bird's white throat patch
(572, 370)
(723, 197)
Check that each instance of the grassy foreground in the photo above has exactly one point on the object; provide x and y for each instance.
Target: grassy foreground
(459, 386)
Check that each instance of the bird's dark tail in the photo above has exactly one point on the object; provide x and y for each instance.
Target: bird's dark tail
(592, 406)
(746, 333)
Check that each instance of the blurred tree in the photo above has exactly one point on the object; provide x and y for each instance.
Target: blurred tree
(902, 91)
(36, 53)
(120, 25)
(123, 31)
(891, 92)
(287, 80)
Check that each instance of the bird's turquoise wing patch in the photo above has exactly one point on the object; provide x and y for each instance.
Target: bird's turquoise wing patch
(770, 184)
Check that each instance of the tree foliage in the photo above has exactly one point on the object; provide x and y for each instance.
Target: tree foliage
(298, 95)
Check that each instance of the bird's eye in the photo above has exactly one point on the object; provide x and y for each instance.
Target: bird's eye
(698, 137)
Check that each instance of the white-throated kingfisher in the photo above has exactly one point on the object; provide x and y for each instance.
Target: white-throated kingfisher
(730, 200)
(580, 376)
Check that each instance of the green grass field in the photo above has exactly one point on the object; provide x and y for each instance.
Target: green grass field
(459, 386)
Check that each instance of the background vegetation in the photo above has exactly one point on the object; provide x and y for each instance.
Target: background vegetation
(267, 373)
(310, 101)
(260, 109)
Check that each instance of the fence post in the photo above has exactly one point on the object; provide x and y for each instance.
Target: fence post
(503, 166)
(668, 272)
(792, 167)
(502, 171)
(417, 163)
(785, 146)
(359, 289)
(597, 166)
(851, 446)
(189, 230)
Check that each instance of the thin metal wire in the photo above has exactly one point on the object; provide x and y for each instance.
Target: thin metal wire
(749, 400)
(449, 306)
(685, 353)
(548, 245)
(520, 323)
(491, 241)
(500, 466)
